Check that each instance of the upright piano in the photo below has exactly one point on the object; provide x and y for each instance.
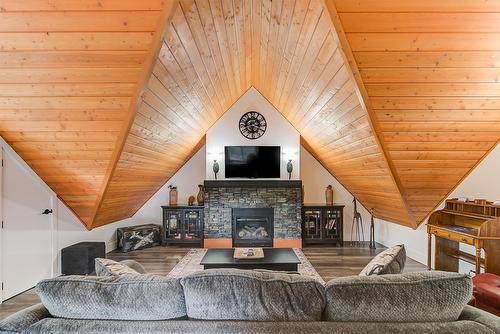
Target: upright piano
(472, 223)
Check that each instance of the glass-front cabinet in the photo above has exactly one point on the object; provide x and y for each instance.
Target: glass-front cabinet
(311, 224)
(322, 224)
(182, 224)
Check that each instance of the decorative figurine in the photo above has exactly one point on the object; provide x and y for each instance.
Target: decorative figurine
(372, 232)
(357, 233)
(191, 200)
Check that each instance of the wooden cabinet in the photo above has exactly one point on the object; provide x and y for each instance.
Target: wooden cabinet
(182, 224)
(322, 224)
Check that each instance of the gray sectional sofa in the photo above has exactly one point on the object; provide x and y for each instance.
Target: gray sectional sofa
(236, 301)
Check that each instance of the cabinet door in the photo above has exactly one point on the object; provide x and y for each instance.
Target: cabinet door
(332, 224)
(312, 224)
(173, 224)
(192, 224)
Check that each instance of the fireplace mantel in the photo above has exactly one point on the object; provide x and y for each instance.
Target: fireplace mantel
(253, 184)
(284, 196)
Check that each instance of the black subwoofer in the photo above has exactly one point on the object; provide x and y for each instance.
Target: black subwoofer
(78, 259)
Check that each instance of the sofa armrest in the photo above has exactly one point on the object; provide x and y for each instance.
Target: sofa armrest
(487, 319)
(20, 321)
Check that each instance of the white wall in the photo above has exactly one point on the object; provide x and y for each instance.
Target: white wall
(67, 229)
(483, 182)
(225, 132)
(315, 178)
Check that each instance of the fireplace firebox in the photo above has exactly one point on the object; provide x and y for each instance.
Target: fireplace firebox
(253, 227)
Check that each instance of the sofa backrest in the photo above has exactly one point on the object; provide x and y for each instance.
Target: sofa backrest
(127, 297)
(425, 296)
(233, 294)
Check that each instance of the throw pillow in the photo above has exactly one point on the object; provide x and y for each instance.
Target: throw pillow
(106, 267)
(390, 261)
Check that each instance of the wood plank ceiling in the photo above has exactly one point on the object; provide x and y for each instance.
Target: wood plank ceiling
(431, 71)
(72, 71)
(69, 71)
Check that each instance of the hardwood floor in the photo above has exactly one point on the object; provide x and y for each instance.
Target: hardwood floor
(330, 262)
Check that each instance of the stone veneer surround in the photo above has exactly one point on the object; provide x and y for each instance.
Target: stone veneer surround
(285, 197)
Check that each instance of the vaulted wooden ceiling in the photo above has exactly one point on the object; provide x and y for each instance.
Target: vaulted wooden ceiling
(107, 99)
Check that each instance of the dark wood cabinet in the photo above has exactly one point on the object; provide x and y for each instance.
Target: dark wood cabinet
(182, 224)
(322, 224)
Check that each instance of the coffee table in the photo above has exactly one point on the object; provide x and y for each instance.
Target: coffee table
(281, 259)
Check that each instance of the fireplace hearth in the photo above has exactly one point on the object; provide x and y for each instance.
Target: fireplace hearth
(253, 227)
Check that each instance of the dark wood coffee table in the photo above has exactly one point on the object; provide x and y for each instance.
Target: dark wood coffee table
(282, 259)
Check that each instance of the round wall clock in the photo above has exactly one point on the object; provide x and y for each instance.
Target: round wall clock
(252, 125)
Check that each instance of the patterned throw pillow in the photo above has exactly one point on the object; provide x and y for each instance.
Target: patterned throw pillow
(106, 267)
(390, 261)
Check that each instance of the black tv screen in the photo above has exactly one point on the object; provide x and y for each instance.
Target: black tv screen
(252, 161)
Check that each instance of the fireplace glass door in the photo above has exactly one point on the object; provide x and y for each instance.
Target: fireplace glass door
(253, 227)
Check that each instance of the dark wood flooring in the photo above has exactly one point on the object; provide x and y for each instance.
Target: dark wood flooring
(329, 262)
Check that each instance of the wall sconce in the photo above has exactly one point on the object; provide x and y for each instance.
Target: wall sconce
(289, 169)
(215, 168)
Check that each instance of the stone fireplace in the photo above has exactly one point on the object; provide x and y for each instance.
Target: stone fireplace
(253, 227)
(225, 198)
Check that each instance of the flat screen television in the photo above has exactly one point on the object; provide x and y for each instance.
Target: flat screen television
(253, 162)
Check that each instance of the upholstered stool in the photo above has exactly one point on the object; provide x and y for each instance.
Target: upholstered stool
(78, 259)
(487, 292)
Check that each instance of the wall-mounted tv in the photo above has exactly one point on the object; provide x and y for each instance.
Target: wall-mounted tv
(255, 162)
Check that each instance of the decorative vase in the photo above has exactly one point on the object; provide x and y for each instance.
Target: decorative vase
(201, 195)
(289, 169)
(172, 196)
(329, 195)
(215, 168)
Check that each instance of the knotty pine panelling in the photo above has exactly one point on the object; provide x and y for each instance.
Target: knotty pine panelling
(202, 68)
(431, 71)
(212, 52)
(68, 72)
(302, 72)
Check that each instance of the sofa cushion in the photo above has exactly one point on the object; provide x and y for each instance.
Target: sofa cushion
(126, 297)
(107, 267)
(390, 261)
(232, 294)
(413, 297)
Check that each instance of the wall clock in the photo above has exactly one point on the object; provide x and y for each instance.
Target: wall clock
(252, 125)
